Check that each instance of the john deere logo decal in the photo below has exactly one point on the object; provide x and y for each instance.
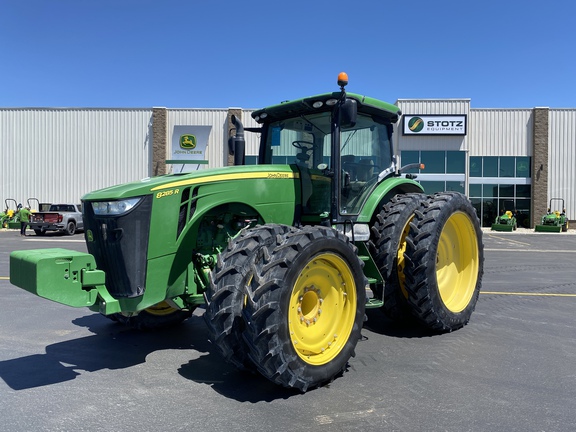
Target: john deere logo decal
(416, 124)
(187, 141)
(522, 167)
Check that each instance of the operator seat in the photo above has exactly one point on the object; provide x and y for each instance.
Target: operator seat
(349, 165)
(365, 170)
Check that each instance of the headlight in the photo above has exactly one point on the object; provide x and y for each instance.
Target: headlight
(105, 208)
(361, 231)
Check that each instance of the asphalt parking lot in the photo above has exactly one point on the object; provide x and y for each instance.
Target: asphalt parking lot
(512, 368)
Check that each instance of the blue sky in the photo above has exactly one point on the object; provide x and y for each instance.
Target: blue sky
(249, 54)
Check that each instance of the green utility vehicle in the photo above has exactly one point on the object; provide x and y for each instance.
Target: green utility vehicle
(554, 220)
(281, 254)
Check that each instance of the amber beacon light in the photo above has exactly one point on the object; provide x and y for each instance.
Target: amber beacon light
(342, 79)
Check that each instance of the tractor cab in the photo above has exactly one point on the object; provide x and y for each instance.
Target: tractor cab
(340, 145)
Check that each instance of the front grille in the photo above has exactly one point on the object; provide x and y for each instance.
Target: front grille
(120, 247)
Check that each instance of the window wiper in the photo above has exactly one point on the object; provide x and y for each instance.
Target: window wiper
(348, 139)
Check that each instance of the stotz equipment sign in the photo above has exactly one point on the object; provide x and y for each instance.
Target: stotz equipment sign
(419, 124)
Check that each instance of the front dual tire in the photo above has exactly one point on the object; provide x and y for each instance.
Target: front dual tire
(226, 296)
(306, 308)
(298, 309)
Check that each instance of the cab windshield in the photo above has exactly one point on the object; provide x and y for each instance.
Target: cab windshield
(365, 151)
(303, 140)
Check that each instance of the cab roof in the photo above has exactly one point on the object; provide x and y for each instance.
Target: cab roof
(366, 105)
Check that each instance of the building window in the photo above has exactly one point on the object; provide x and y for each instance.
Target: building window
(434, 161)
(455, 162)
(251, 160)
(443, 170)
(523, 167)
(491, 200)
(475, 166)
(490, 166)
(500, 166)
(498, 184)
(409, 157)
(507, 166)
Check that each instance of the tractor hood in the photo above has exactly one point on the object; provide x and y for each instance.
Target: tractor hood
(156, 185)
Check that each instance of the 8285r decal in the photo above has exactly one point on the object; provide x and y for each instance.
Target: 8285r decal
(167, 193)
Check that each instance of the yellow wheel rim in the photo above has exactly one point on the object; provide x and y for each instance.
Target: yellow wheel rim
(322, 309)
(161, 309)
(457, 262)
(400, 257)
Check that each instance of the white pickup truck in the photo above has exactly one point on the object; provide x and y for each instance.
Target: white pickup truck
(59, 217)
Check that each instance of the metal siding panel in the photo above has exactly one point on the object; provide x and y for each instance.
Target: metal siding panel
(562, 158)
(252, 139)
(58, 155)
(500, 132)
(430, 142)
(434, 106)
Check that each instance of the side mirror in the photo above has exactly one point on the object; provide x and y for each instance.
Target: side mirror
(348, 113)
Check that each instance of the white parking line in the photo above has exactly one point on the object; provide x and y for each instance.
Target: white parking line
(53, 240)
(531, 250)
(528, 294)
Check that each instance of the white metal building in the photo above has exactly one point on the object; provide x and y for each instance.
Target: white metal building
(520, 157)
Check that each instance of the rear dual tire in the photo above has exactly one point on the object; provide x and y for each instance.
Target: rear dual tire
(444, 262)
(387, 244)
(429, 251)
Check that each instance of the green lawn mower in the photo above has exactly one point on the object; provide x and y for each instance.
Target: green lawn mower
(554, 221)
(506, 221)
(9, 218)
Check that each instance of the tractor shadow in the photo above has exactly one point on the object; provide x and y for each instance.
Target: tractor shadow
(113, 346)
(378, 322)
(232, 383)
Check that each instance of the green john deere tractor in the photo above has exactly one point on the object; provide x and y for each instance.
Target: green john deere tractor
(507, 219)
(554, 221)
(281, 254)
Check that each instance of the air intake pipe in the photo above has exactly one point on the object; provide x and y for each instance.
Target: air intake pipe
(237, 143)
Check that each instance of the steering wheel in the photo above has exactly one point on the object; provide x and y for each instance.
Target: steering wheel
(303, 145)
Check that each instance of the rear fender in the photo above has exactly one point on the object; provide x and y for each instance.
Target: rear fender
(384, 193)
